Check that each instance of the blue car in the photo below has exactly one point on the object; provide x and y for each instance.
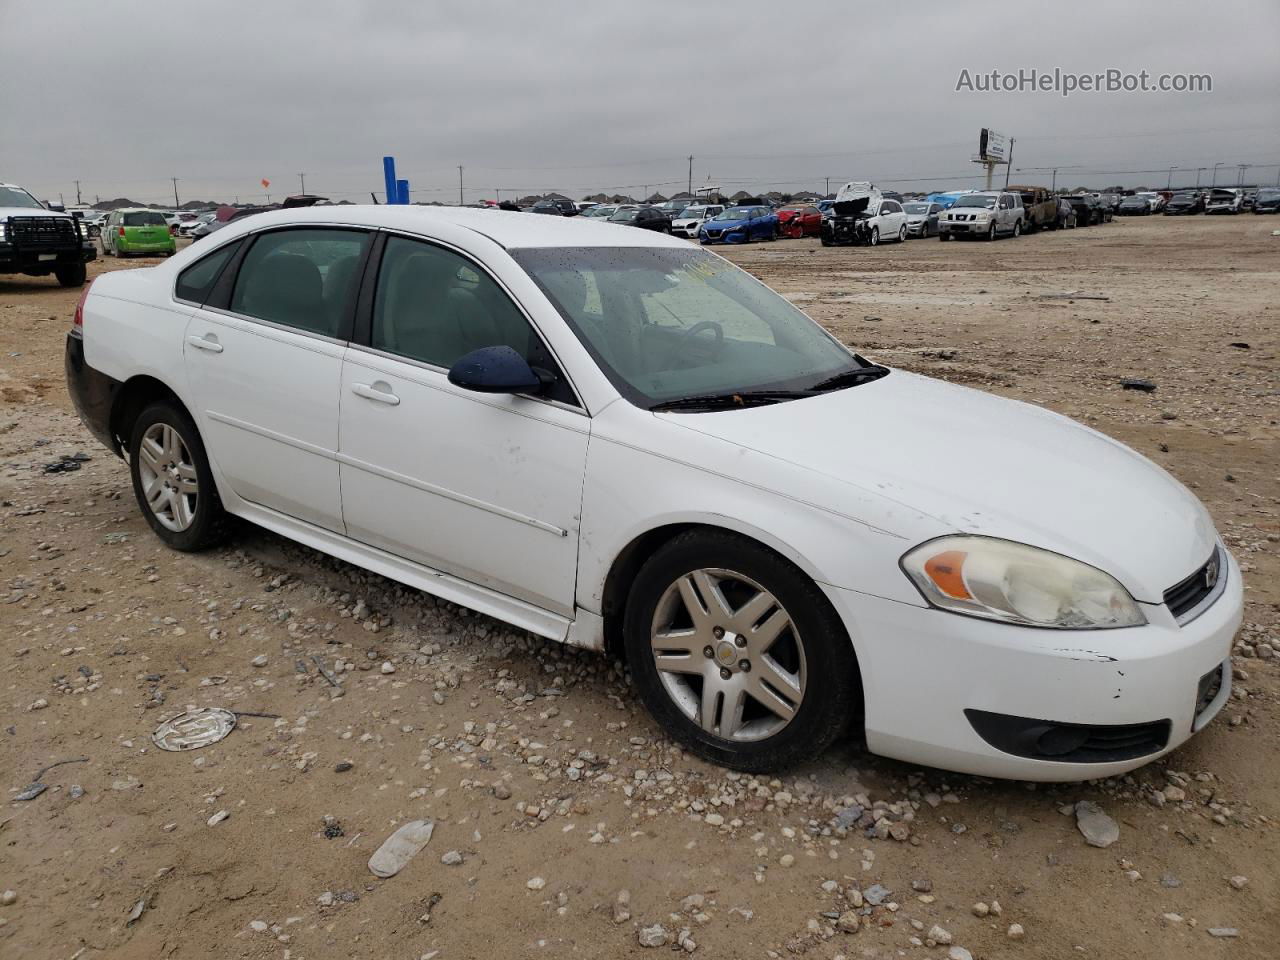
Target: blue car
(740, 225)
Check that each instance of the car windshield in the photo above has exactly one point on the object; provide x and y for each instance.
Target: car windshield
(626, 215)
(17, 197)
(693, 213)
(976, 200)
(671, 322)
(734, 213)
(916, 207)
(142, 218)
(1268, 195)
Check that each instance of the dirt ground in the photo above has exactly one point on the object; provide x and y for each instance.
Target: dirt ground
(550, 789)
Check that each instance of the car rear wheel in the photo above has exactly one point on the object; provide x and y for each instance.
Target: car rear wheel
(1017, 229)
(874, 239)
(902, 234)
(172, 480)
(72, 275)
(737, 654)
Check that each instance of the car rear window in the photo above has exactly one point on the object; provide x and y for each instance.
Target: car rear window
(143, 219)
(195, 282)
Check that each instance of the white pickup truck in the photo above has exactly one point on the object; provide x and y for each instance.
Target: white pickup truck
(37, 241)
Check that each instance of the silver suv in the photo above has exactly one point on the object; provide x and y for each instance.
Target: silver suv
(987, 215)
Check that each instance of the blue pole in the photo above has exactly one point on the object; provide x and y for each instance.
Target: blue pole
(402, 192)
(389, 177)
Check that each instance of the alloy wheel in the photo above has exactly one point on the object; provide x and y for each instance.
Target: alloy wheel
(728, 655)
(169, 480)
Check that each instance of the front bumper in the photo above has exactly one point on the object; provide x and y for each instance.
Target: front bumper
(93, 393)
(15, 258)
(736, 235)
(926, 671)
(977, 228)
(917, 228)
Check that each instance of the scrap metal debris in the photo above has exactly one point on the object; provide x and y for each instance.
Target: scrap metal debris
(36, 787)
(136, 912)
(1131, 383)
(401, 847)
(194, 729)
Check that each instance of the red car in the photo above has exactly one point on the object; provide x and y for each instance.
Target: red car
(804, 220)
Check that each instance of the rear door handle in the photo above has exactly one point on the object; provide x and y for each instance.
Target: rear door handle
(207, 342)
(379, 391)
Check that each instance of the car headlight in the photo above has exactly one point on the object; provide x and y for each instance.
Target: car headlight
(1014, 583)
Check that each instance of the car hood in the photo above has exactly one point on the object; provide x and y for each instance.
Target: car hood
(983, 464)
(29, 212)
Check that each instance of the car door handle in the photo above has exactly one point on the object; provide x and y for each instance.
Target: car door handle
(207, 342)
(379, 391)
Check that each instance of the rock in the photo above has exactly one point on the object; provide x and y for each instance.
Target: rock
(959, 953)
(1223, 933)
(981, 909)
(692, 902)
(501, 791)
(1170, 881)
(451, 859)
(939, 935)
(714, 819)
(536, 883)
(1099, 830)
(343, 766)
(655, 936)
(846, 818)
(325, 899)
(75, 791)
(786, 860)
(388, 667)
(622, 907)
(1016, 932)
(922, 886)
(218, 817)
(849, 922)
(1133, 383)
(31, 791)
(8, 898)
(876, 894)
(1238, 883)
(401, 847)
(259, 661)
(258, 926)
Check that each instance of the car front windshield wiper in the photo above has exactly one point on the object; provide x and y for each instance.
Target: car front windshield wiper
(851, 378)
(729, 401)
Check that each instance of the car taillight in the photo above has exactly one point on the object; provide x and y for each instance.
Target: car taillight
(78, 320)
(122, 231)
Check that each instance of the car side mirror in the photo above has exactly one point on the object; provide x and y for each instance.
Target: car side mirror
(494, 370)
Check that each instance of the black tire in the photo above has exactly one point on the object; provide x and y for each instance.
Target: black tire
(991, 232)
(874, 239)
(1017, 229)
(72, 275)
(210, 521)
(833, 689)
(902, 234)
(826, 242)
(944, 236)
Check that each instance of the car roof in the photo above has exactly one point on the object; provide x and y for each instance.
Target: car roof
(506, 228)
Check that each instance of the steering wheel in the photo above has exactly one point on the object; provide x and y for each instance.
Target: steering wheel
(706, 325)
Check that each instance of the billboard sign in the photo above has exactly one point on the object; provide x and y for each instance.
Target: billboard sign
(993, 147)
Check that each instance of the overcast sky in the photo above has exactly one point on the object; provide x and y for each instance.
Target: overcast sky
(585, 96)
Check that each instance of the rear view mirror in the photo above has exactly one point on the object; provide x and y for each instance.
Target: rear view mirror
(494, 370)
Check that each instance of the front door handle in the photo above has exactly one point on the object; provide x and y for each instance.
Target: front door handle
(207, 342)
(379, 391)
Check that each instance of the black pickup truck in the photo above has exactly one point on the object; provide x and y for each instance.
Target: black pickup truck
(36, 241)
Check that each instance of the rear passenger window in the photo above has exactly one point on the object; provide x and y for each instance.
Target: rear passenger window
(301, 278)
(195, 282)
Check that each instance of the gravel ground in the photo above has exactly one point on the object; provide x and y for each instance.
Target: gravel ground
(565, 824)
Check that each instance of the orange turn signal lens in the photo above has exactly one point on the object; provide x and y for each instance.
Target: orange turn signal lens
(946, 571)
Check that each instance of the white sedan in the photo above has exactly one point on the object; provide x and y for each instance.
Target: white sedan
(610, 438)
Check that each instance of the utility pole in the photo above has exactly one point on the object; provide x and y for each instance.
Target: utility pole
(827, 192)
(77, 193)
(1199, 170)
(175, 192)
(1169, 184)
(691, 174)
(1008, 163)
(302, 179)
(1215, 173)
(460, 200)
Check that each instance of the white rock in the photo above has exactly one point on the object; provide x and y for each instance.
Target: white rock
(959, 953)
(388, 667)
(1016, 932)
(655, 936)
(1238, 883)
(260, 660)
(218, 817)
(1099, 830)
(451, 859)
(401, 847)
(938, 935)
(536, 883)
(258, 926)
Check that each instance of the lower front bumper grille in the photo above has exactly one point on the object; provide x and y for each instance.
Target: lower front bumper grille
(1069, 742)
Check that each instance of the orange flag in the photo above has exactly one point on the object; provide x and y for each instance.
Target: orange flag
(265, 183)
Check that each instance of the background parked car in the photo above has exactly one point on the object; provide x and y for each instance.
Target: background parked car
(1039, 206)
(1155, 200)
(187, 226)
(693, 217)
(740, 225)
(922, 218)
(1066, 219)
(1267, 200)
(862, 214)
(1134, 207)
(675, 208)
(556, 206)
(646, 218)
(601, 211)
(138, 231)
(1085, 208)
(1224, 201)
(1182, 204)
(802, 220)
(987, 215)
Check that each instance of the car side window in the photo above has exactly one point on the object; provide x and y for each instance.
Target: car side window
(433, 305)
(302, 277)
(196, 282)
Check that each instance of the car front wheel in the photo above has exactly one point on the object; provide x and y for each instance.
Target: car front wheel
(737, 654)
(875, 237)
(172, 480)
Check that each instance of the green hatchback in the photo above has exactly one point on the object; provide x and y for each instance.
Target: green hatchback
(137, 231)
